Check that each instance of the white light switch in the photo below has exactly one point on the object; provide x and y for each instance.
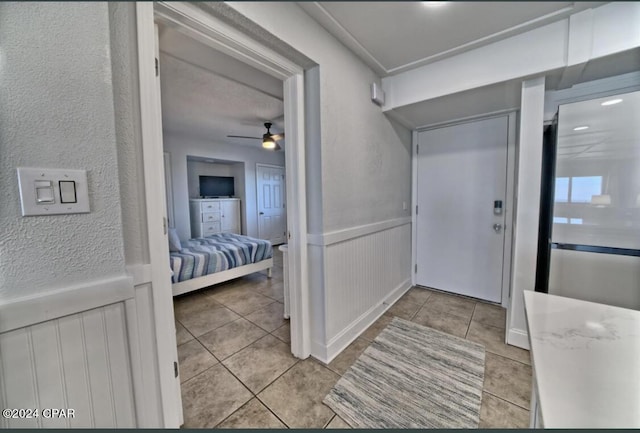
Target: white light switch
(44, 192)
(68, 191)
(53, 191)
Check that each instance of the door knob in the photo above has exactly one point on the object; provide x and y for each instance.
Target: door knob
(497, 227)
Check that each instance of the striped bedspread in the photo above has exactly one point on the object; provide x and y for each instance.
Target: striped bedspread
(215, 253)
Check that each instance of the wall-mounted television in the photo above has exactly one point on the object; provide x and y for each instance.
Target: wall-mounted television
(216, 186)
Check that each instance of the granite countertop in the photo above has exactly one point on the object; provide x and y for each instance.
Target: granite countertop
(586, 358)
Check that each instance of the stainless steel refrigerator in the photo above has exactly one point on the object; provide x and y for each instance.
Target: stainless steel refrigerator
(589, 245)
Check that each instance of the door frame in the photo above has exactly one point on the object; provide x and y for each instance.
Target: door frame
(284, 173)
(168, 184)
(204, 27)
(510, 197)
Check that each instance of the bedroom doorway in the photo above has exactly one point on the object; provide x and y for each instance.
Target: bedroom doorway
(198, 24)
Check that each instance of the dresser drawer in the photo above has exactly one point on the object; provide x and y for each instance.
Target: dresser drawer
(210, 228)
(208, 217)
(209, 206)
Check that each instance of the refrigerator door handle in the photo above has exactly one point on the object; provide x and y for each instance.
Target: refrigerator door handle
(596, 249)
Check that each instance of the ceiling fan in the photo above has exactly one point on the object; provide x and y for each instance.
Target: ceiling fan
(269, 140)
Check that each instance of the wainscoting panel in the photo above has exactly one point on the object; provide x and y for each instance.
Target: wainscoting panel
(79, 362)
(362, 272)
(144, 357)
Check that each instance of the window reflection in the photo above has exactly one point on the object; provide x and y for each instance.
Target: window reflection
(579, 189)
(597, 182)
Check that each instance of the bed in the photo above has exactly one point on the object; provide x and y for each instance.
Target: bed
(202, 262)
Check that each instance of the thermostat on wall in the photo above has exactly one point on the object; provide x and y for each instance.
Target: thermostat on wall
(53, 191)
(377, 95)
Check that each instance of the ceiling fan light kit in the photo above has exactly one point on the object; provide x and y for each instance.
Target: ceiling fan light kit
(269, 140)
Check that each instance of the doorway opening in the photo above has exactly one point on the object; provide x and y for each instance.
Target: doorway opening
(205, 28)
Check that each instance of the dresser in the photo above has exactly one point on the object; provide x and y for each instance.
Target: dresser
(211, 216)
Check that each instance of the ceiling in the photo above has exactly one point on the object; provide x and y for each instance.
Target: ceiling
(209, 95)
(613, 131)
(392, 37)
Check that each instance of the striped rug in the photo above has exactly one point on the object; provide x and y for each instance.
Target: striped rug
(412, 376)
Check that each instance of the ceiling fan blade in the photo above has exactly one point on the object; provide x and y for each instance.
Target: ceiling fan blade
(277, 137)
(243, 136)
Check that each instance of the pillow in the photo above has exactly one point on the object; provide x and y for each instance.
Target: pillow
(174, 241)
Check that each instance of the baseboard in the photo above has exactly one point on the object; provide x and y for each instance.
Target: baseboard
(518, 338)
(319, 351)
(326, 353)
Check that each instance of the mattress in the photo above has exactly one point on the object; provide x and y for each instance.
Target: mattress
(217, 253)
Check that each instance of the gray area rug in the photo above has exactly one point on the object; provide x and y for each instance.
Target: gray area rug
(412, 376)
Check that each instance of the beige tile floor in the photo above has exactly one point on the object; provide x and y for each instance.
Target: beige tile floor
(237, 370)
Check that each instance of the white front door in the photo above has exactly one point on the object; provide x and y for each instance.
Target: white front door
(272, 223)
(462, 172)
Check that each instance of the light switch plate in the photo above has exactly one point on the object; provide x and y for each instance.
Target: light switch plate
(27, 178)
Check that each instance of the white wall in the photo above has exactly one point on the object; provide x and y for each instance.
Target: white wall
(525, 241)
(365, 159)
(181, 146)
(358, 165)
(57, 112)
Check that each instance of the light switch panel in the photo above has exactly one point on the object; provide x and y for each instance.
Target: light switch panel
(53, 191)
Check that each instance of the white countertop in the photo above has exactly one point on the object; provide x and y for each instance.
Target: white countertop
(586, 358)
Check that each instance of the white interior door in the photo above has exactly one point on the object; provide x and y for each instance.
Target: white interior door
(462, 171)
(272, 223)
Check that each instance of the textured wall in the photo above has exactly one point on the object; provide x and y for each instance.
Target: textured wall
(366, 159)
(128, 135)
(57, 111)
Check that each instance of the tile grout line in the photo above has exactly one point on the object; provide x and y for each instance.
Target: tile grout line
(331, 419)
(191, 378)
(505, 400)
(272, 412)
(506, 357)
(246, 403)
(473, 313)
(270, 383)
(266, 386)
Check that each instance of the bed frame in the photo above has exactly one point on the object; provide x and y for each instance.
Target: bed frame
(219, 277)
